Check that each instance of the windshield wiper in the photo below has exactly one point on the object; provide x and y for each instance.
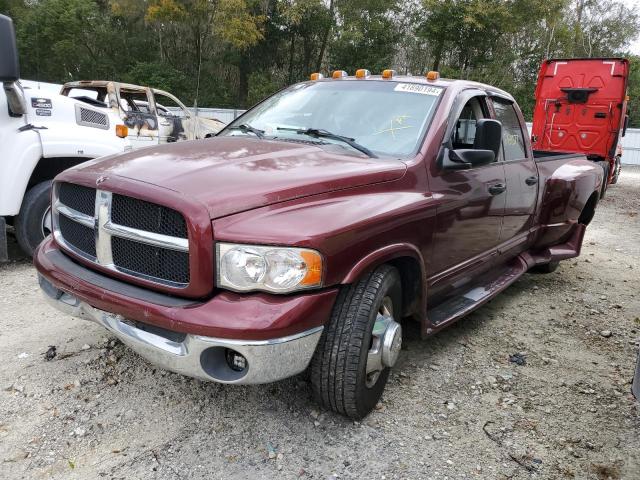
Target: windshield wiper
(244, 128)
(320, 133)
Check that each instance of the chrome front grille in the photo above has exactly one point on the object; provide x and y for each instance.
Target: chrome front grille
(122, 233)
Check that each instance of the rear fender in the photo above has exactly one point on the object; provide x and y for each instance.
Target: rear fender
(565, 195)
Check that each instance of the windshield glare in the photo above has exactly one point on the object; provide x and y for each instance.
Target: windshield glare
(387, 117)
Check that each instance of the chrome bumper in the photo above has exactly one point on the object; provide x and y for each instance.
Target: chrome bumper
(203, 357)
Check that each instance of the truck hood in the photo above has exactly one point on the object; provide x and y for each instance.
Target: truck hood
(232, 174)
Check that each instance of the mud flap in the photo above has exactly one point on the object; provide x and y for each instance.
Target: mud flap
(635, 386)
(4, 250)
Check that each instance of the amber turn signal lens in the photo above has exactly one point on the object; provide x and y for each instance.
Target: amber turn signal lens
(316, 76)
(432, 75)
(122, 131)
(362, 73)
(313, 260)
(388, 73)
(339, 74)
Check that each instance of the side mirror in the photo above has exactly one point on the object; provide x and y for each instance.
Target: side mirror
(9, 66)
(486, 146)
(488, 135)
(468, 158)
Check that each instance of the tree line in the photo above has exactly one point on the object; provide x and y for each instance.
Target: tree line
(233, 53)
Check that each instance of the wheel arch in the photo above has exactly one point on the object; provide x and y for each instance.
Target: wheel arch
(48, 168)
(408, 260)
(589, 209)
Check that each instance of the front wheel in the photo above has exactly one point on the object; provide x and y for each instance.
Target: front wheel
(359, 345)
(33, 223)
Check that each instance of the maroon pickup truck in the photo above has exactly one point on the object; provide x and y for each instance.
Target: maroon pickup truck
(307, 230)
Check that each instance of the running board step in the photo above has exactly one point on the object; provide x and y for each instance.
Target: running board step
(483, 290)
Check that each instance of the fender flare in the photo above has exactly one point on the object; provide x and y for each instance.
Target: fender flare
(383, 255)
(388, 254)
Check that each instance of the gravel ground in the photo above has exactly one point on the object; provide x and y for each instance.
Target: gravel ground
(455, 407)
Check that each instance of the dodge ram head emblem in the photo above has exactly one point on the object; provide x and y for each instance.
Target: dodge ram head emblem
(101, 179)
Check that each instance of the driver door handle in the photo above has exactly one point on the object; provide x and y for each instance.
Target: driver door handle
(531, 180)
(497, 188)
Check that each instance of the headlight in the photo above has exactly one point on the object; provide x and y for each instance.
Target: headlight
(273, 269)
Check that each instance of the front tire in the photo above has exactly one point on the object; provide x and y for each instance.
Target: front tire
(359, 345)
(33, 223)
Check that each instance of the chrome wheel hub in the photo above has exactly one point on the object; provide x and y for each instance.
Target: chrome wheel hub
(386, 341)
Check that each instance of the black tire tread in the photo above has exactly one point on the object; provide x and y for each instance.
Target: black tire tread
(334, 367)
(28, 239)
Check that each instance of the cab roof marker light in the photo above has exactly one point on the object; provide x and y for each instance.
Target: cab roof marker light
(362, 73)
(316, 76)
(386, 74)
(339, 74)
(433, 75)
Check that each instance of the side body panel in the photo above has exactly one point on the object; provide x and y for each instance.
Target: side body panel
(19, 153)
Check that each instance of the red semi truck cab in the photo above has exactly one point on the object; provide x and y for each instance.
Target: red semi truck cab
(581, 107)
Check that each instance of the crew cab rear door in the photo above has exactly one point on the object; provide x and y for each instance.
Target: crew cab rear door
(580, 106)
(521, 173)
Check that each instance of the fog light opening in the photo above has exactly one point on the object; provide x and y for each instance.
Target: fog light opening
(236, 361)
(224, 364)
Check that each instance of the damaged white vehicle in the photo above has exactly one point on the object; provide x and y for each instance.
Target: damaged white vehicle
(151, 116)
(43, 133)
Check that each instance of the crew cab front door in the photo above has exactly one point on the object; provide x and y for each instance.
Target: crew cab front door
(174, 120)
(470, 202)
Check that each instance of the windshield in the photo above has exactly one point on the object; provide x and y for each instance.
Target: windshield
(386, 117)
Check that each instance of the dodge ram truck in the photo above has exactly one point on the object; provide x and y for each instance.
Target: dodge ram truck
(306, 232)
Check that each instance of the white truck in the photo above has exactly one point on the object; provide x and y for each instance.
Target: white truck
(43, 133)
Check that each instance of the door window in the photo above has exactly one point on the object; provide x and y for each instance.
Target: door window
(513, 144)
(465, 129)
(167, 106)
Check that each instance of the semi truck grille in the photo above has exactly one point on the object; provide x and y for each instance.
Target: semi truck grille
(122, 233)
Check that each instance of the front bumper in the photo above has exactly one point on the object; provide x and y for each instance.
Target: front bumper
(195, 355)
(276, 334)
